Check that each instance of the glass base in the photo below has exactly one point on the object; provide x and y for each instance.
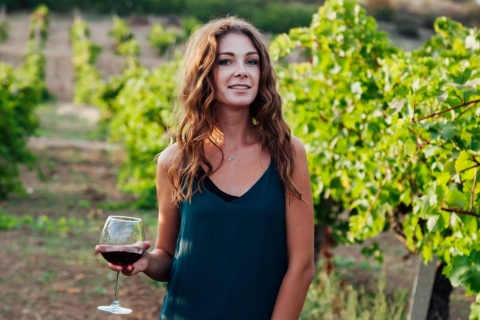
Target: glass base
(115, 309)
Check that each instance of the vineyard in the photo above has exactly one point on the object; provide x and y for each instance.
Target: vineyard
(392, 137)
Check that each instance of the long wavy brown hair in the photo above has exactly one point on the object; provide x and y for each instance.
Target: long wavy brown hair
(197, 99)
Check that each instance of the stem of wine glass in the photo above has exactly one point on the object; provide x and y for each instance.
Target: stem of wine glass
(115, 299)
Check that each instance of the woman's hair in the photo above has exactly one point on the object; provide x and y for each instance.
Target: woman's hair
(197, 97)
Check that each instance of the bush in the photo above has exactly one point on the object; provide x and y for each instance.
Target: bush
(142, 110)
(330, 297)
(162, 39)
(19, 95)
(88, 83)
(120, 31)
(21, 90)
(129, 48)
(189, 25)
(39, 22)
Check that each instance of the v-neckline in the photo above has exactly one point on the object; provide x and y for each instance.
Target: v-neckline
(245, 193)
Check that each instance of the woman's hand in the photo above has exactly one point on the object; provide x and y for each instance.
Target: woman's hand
(132, 269)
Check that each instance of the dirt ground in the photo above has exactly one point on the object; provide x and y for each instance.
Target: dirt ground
(54, 274)
(45, 275)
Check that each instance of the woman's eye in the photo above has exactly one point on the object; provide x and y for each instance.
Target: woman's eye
(252, 62)
(224, 62)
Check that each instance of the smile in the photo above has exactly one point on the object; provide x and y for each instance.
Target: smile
(239, 87)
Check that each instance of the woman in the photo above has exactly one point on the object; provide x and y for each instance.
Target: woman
(235, 227)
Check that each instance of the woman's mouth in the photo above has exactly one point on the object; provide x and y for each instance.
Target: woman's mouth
(239, 87)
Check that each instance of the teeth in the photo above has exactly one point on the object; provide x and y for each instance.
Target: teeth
(239, 87)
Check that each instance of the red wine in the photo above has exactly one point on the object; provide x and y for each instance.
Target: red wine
(122, 256)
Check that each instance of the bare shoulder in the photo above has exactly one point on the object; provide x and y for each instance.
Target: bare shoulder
(167, 156)
(298, 146)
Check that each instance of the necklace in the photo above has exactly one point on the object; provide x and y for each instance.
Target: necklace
(233, 157)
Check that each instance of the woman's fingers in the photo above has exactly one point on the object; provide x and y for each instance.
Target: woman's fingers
(126, 270)
(147, 244)
(115, 267)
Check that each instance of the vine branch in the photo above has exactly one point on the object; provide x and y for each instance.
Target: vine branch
(458, 211)
(447, 110)
(472, 167)
(472, 190)
(384, 181)
(464, 111)
(427, 141)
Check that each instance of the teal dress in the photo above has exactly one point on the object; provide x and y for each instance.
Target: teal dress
(231, 256)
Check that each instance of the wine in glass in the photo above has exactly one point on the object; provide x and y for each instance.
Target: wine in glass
(121, 243)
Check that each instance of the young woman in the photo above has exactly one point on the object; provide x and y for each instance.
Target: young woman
(235, 226)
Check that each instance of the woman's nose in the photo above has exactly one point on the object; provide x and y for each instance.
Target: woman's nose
(240, 72)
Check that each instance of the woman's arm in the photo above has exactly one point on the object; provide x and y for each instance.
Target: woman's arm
(157, 263)
(300, 229)
(161, 257)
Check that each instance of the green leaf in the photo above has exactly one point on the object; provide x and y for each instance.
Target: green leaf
(432, 221)
(443, 222)
(443, 178)
(449, 131)
(463, 162)
(457, 199)
(431, 150)
(471, 278)
(474, 311)
(460, 265)
(470, 224)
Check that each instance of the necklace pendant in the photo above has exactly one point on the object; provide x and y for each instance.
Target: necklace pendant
(233, 157)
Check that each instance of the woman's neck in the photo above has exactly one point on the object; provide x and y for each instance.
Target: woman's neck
(234, 131)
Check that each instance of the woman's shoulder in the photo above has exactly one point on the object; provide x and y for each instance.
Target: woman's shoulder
(168, 155)
(297, 145)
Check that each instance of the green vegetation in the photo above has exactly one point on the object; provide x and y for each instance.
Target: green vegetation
(330, 297)
(135, 105)
(392, 136)
(125, 42)
(39, 21)
(144, 108)
(164, 39)
(88, 82)
(21, 90)
(59, 226)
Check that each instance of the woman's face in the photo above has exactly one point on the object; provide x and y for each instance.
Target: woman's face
(237, 71)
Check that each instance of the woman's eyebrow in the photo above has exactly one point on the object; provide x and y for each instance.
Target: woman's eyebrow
(233, 54)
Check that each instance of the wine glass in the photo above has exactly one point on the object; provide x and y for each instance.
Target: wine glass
(121, 243)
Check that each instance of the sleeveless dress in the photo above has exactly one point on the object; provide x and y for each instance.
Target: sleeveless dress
(231, 256)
